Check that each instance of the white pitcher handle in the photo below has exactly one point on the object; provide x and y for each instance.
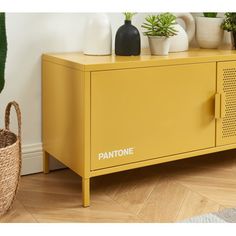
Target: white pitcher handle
(189, 22)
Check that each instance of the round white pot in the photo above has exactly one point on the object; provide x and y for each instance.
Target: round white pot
(208, 32)
(98, 35)
(159, 45)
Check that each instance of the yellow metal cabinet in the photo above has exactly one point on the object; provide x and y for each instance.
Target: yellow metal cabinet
(107, 114)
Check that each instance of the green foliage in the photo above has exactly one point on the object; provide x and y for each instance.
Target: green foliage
(160, 25)
(229, 22)
(129, 15)
(3, 50)
(210, 14)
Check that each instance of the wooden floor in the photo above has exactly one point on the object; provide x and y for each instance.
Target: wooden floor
(163, 193)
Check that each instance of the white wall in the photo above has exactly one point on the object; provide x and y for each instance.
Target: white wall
(30, 35)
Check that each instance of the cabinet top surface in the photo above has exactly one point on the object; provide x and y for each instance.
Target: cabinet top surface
(83, 62)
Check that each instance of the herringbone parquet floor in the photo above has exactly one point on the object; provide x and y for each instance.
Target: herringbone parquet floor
(168, 192)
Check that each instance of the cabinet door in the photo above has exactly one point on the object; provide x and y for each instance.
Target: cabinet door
(226, 91)
(147, 113)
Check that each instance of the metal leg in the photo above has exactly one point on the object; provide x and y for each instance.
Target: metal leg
(45, 162)
(86, 191)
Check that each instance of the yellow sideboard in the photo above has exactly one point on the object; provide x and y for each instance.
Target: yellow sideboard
(103, 114)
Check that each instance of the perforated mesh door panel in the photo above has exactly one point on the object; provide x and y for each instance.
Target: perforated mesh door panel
(229, 88)
(226, 86)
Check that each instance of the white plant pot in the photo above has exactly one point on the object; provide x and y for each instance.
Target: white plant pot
(208, 32)
(159, 45)
(98, 35)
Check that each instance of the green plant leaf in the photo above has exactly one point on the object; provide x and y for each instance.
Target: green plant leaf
(229, 22)
(3, 50)
(129, 15)
(210, 14)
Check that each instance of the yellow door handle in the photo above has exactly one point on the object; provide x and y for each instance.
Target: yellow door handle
(219, 105)
(222, 105)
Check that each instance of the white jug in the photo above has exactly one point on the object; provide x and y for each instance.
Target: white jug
(180, 42)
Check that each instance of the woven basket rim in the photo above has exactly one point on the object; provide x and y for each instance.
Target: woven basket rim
(12, 145)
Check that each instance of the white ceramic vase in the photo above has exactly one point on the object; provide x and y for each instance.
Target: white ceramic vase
(180, 42)
(159, 45)
(208, 32)
(98, 35)
(227, 41)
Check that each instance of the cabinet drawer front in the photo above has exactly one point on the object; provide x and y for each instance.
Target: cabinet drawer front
(140, 114)
(226, 88)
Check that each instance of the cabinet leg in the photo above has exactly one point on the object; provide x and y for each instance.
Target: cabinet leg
(45, 162)
(86, 191)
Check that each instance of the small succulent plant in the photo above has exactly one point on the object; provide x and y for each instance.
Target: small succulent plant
(160, 25)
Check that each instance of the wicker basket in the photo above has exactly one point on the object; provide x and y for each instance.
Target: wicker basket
(10, 160)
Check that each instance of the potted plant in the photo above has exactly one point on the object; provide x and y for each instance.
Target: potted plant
(229, 24)
(127, 40)
(10, 143)
(208, 30)
(159, 28)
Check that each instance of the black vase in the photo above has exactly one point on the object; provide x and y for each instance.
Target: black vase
(127, 42)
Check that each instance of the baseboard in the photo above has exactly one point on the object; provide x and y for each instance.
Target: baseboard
(32, 159)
